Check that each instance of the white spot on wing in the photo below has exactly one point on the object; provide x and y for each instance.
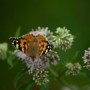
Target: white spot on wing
(48, 47)
(17, 45)
(17, 41)
(46, 51)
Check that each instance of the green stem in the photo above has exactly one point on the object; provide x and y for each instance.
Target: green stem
(65, 83)
(53, 72)
(59, 79)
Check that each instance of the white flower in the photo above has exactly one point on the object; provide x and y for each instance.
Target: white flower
(36, 67)
(86, 58)
(73, 69)
(45, 32)
(3, 50)
(63, 39)
(53, 58)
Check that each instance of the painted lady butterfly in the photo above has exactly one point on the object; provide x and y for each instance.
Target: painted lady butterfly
(31, 45)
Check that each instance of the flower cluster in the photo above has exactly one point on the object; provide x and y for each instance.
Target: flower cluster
(38, 68)
(73, 69)
(63, 38)
(86, 59)
(45, 32)
(3, 50)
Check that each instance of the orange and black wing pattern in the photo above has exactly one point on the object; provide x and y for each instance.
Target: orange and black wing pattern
(44, 46)
(32, 45)
(21, 43)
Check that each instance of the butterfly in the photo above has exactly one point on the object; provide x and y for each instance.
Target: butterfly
(32, 45)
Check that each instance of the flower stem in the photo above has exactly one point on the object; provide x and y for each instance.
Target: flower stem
(53, 72)
(59, 79)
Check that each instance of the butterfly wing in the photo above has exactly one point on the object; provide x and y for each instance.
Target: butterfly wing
(44, 46)
(32, 45)
(19, 43)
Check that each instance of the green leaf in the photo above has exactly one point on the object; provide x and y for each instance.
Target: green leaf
(10, 62)
(10, 58)
(75, 56)
(20, 75)
(45, 86)
(18, 32)
(27, 85)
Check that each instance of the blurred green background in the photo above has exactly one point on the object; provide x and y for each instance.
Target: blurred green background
(28, 14)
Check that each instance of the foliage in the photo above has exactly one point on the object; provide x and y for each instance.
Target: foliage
(42, 70)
